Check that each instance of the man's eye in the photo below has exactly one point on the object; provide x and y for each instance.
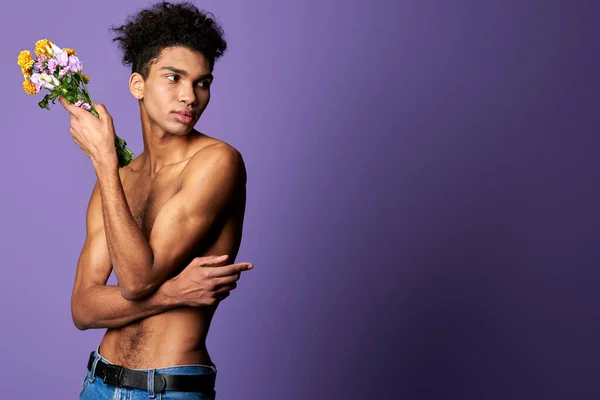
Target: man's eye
(168, 76)
(205, 84)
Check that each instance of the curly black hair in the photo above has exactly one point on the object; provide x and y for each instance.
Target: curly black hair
(145, 34)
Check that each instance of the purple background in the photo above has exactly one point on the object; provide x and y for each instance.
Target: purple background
(422, 198)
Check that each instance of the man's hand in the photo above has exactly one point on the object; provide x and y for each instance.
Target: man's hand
(198, 286)
(95, 136)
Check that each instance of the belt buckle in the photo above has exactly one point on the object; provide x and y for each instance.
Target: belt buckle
(112, 375)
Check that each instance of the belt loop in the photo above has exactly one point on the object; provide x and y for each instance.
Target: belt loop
(93, 370)
(151, 383)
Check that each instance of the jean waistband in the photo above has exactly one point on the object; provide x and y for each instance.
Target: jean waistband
(187, 369)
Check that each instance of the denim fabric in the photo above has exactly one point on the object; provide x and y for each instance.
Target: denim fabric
(93, 388)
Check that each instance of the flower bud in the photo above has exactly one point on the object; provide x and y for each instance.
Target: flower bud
(55, 48)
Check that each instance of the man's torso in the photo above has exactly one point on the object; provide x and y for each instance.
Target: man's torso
(177, 336)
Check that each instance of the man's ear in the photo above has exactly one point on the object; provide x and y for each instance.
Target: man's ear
(136, 85)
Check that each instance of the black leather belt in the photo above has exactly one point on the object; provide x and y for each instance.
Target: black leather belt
(117, 375)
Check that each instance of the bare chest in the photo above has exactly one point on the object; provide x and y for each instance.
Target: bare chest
(146, 197)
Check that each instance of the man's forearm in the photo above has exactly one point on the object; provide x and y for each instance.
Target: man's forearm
(130, 252)
(103, 306)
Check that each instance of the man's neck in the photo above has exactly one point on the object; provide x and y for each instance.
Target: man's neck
(162, 150)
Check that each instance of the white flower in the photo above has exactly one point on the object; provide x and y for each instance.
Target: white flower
(55, 81)
(55, 48)
(46, 77)
(49, 81)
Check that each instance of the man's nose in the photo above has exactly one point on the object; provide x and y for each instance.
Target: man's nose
(187, 95)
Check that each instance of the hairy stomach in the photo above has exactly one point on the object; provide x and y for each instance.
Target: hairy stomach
(175, 337)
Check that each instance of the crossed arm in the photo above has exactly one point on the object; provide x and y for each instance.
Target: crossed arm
(96, 305)
(114, 241)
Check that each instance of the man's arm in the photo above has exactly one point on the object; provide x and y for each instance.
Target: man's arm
(95, 305)
(212, 177)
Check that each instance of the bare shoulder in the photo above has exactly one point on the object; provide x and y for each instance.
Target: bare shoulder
(216, 158)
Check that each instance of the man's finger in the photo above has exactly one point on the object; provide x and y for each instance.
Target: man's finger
(222, 296)
(72, 109)
(100, 109)
(210, 260)
(229, 282)
(228, 269)
(63, 101)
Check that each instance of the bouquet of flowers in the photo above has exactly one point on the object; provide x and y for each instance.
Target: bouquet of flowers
(60, 72)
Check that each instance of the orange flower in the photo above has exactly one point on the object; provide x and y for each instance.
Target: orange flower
(86, 79)
(25, 60)
(26, 73)
(40, 47)
(70, 51)
(29, 87)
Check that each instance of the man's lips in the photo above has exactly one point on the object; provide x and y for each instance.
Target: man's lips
(187, 113)
(184, 117)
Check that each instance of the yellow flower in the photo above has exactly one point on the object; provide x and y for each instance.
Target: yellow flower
(25, 60)
(26, 73)
(69, 51)
(29, 87)
(86, 79)
(41, 47)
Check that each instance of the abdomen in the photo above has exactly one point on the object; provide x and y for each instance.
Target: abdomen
(175, 337)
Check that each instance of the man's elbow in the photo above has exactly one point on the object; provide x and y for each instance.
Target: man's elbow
(78, 318)
(140, 289)
(81, 325)
(135, 292)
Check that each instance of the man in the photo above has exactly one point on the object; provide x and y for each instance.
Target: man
(160, 222)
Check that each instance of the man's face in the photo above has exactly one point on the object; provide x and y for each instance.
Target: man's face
(178, 83)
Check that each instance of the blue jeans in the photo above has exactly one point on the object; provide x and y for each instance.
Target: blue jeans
(93, 388)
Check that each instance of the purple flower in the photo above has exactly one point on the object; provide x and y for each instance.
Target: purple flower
(35, 78)
(83, 105)
(74, 64)
(47, 85)
(52, 63)
(64, 71)
(39, 65)
(62, 58)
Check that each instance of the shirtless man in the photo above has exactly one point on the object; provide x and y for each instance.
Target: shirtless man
(160, 222)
